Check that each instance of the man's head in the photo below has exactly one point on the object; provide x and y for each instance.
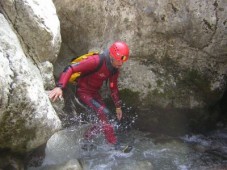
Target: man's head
(119, 53)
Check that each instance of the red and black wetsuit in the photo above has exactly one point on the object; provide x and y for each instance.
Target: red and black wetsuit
(88, 89)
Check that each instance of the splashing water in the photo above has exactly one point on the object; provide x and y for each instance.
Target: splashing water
(183, 153)
(189, 152)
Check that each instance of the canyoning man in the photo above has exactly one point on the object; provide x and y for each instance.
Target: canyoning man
(88, 86)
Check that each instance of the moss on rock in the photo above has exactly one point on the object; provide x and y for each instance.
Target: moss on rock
(14, 133)
(129, 97)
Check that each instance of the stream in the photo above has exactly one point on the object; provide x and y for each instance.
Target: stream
(150, 152)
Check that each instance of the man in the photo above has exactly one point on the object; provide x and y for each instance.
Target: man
(87, 88)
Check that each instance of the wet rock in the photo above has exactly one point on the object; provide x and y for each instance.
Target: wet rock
(120, 164)
(10, 161)
(70, 165)
(64, 145)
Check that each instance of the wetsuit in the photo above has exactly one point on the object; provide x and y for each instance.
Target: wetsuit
(88, 90)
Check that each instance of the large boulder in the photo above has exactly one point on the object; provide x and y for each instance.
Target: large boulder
(38, 28)
(29, 40)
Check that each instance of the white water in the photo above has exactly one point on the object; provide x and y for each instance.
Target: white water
(159, 152)
(193, 152)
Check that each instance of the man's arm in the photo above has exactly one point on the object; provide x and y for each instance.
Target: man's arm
(83, 66)
(115, 94)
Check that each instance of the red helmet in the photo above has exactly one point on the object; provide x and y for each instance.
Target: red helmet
(119, 51)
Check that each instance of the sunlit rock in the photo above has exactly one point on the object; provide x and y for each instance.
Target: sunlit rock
(37, 25)
(26, 115)
(38, 28)
(64, 145)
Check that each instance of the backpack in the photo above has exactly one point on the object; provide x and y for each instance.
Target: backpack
(75, 60)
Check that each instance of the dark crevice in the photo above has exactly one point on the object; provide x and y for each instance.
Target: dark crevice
(223, 108)
(12, 77)
(215, 4)
(174, 8)
(210, 27)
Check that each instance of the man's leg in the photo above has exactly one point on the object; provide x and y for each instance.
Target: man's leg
(95, 103)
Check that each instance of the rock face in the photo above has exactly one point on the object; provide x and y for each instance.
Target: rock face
(29, 40)
(178, 49)
(37, 24)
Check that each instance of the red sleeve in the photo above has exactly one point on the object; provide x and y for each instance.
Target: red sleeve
(83, 66)
(114, 90)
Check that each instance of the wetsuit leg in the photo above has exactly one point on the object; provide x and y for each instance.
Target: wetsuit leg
(95, 103)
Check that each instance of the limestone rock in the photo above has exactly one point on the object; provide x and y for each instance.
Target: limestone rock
(37, 25)
(26, 114)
